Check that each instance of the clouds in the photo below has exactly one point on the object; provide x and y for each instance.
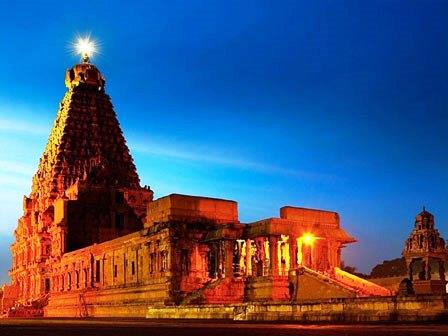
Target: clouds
(216, 156)
(17, 168)
(20, 141)
(20, 126)
(165, 148)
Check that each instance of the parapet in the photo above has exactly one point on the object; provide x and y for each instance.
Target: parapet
(187, 208)
(310, 216)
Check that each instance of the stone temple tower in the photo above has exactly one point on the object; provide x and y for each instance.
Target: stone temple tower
(425, 252)
(86, 189)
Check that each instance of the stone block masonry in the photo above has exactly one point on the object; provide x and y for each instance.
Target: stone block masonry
(349, 310)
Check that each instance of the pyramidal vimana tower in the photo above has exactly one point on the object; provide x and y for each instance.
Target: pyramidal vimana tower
(93, 242)
(86, 189)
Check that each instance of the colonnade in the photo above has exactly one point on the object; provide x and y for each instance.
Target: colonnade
(269, 256)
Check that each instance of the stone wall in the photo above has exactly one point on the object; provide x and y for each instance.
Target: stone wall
(177, 207)
(112, 302)
(316, 286)
(391, 282)
(406, 309)
(310, 216)
(267, 288)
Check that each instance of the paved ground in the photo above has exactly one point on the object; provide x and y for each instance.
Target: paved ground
(98, 327)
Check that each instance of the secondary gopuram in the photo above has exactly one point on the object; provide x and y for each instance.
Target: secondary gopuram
(93, 242)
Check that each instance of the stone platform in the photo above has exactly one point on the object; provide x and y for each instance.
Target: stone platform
(350, 310)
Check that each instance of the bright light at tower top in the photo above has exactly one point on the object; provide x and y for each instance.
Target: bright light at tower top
(85, 47)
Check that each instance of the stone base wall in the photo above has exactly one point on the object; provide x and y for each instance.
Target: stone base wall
(384, 309)
(230, 291)
(391, 283)
(9, 294)
(267, 288)
(429, 286)
(319, 287)
(117, 302)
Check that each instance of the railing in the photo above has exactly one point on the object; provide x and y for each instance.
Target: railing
(198, 294)
(360, 283)
(325, 277)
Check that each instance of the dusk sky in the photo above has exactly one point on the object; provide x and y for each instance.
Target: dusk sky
(338, 105)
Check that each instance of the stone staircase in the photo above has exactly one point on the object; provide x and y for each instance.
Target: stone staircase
(31, 310)
(219, 291)
(363, 286)
(347, 282)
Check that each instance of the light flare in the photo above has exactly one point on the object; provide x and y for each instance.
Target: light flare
(86, 47)
(308, 239)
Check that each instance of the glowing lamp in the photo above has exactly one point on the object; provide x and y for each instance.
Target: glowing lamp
(85, 47)
(308, 239)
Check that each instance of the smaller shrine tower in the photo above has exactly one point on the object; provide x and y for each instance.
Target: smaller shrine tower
(425, 251)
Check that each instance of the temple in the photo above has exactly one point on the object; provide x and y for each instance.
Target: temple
(93, 242)
(424, 252)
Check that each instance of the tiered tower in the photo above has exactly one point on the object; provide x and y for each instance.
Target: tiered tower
(86, 189)
(425, 251)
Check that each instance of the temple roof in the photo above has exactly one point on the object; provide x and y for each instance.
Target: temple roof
(425, 240)
(296, 228)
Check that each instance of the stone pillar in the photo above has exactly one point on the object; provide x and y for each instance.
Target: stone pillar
(422, 273)
(137, 264)
(293, 253)
(195, 258)
(411, 269)
(69, 280)
(61, 282)
(428, 269)
(315, 255)
(267, 257)
(248, 258)
(125, 267)
(442, 270)
(338, 255)
(285, 257)
(219, 260)
(273, 252)
(91, 271)
(213, 261)
(238, 258)
(228, 252)
(261, 256)
(101, 279)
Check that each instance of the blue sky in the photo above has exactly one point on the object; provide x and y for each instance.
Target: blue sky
(339, 105)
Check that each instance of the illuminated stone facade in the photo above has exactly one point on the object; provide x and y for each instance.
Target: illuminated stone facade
(92, 241)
